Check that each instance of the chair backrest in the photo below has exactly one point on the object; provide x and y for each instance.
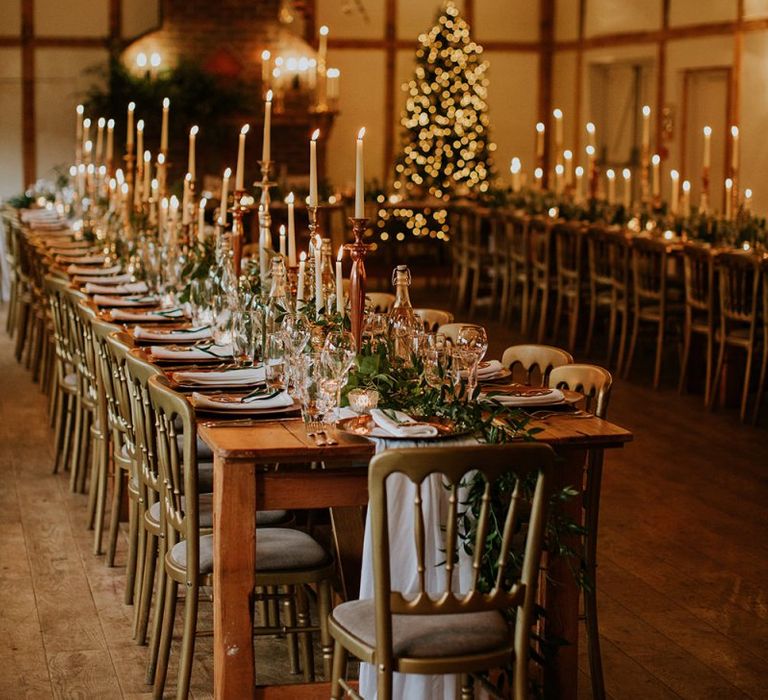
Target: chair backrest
(108, 372)
(499, 473)
(178, 467)
(517, 231)
(62, 332)
(451, 330)
(649, 269)
(380, 302)
(590, 380)
(568, 250)
(540, 233)
(739, 286)
(608, 253)
(139, 372)
(118, 346)
(699, 273)
(532, 358)
(433, 318)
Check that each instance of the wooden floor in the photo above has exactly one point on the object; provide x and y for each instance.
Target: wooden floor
(683, 578)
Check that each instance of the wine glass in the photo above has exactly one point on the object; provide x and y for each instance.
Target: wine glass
(464, 363)
(245, 329)
(473, 338)
(338, 356)
(296, 330)
(434, 367)
(274, 362)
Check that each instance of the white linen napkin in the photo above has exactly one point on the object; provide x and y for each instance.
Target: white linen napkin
(178, 334)
(82, 259)
(80, 270)
(244, 376)
(114, 300)
(127, 288)
(489, 369)
(165, 352)
(553, 396)
(402, 425)
(138, 316)
(282, 400)
(103, 279)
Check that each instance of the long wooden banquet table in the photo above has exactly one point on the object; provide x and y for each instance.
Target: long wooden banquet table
(246, 480)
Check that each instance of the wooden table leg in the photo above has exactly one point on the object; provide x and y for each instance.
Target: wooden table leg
(561, 596)
(348, 533)
(234, 539)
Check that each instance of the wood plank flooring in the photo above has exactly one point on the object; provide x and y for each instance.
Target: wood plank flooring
(683, 578)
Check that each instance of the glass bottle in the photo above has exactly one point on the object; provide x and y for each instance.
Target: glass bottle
(278, 303)
(403, 324)
(328, 274)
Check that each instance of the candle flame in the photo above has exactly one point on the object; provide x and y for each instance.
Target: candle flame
(289, 199)
(590, 150)
(244, 129)
(266, 55)
(147, 156)
(155, 183)
(102, 122)
(674, 174)
(80, 109)
(131, 106)
(87, 123)
(120, 176)
(686, 185)
(627, 173)
(646, 111)
(747, 193)
(316, 134)
(303, 256)
(228, 173)
(735, 131)
(160, 158)
(140, 125)
(707, 131)
(656, 159)
(124, 188)
(166, 103)
(360, 134)
(203, 202)
(559, 169)
(281, 230)
(590, 128)
(540, 127)
(610, 174)
(324, 30)
(579, 171)
(746, 245)
(557, 113)
(568, 155)
(538, 173)
(728, 183)
(340, 255)
(188, 177)
(516, 165)
(194, 130)
(164, 202)
(174, 202)
(111, 124)
(269, 95)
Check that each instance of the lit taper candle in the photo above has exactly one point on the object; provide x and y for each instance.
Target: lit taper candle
(289, 200)
(224, 197)
(359, 177)
(313, 168)
(164, 126)
(266, 148)
(191, 165)
(339, 282)
(240, 170)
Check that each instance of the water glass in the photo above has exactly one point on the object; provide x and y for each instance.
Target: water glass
(246, 334)
(201, 301)
(274, 362)
(463, 372)
(473, 338)
(435, 367)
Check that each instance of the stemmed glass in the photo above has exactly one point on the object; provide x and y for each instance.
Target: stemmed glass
(337, 357)
(246, 329)
(473, 338)
(274, 362)
(464, 363)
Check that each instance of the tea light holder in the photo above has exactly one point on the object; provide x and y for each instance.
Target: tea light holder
(363, 401)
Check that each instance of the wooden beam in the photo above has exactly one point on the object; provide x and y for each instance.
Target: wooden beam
(661, 79)
(544, 97)
(55, 42)
(577, 108)
(28, 126)
(469, 13)
(115, 22)
(400, 44)
(390, 56)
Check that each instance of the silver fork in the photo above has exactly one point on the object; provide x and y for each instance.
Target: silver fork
(328, 439)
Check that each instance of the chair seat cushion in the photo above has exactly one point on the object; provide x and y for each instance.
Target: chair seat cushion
(204, 453)
(277, 549)
(427, 636)
(263, 517)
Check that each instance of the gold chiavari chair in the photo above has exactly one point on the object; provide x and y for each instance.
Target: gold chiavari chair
(532, 359)
(519, 256)
(488, 259)
(463, 227)
(569, 275)
(433, 318)
(764, 367)
(595, 384)
(285, 557)
(11, 257)
(699, 273)
(451, 330)
(608, 254)
(739, 274)
(650, 299)
(379, 302)
(540, 232)
(434, 630)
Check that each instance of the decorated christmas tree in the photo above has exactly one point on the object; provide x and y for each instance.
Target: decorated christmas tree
(446, 147)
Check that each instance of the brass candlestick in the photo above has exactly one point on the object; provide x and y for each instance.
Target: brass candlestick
(704, 205)
(238, 210)
(316, 239)
(265, 223)
(358, 252)
(190, 213)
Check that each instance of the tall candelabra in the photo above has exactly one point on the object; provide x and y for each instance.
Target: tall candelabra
(238, 211)
(357, 279)
(265, 223)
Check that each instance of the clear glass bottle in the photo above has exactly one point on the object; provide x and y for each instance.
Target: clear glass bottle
(329, 276)
(279, 302)
(403, 323)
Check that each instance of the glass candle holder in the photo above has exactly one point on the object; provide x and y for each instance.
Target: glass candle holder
(363, 400)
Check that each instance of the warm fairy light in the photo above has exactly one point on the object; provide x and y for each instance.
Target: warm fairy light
(265, 55)
(540, 127)
(141, 60)
(734, 131)
(315, 134)
(707, 131)
(626, 173)
(557, 113)
(194, 131)
(656, 159)
(553, 212)
(646, 111)
(340, 255)
(515, 166)
(324, 30)
(244, 129)
(745, 246)
(155, 60)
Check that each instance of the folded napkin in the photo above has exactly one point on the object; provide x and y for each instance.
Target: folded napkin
(82, 259)
(174, 334)
(53, 228)
(402, 425)
(114, 300)
(56, 243)
(138, 316)
(526, 396)
(174, 352)
(128, 288)
(489, 369)
(80, 270)
(103, 279)
(244, 376)
(62, 250)
(227, 402)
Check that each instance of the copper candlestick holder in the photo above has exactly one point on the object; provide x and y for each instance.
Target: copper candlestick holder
(238, 210)
(704, 205)
(265, 223)
(358, 252)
